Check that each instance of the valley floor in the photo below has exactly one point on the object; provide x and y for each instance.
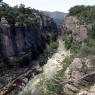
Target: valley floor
(53, 65)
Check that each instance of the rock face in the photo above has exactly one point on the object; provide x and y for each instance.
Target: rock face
(79, 32)
(80, 76)
(20, 40)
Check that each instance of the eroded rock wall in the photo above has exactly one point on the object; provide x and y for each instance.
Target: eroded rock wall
(80, 76)
(79, 32)
(17, 40)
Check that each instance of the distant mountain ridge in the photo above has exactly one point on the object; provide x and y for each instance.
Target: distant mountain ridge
(56, 15)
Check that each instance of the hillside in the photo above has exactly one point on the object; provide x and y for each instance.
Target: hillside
(79, 37)
(56, 15)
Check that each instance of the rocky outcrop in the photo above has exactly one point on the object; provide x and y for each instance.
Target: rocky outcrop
(22, 40)
(80, 76)
(18, 40)
(72, 24)
(78, 32)
(16, 85)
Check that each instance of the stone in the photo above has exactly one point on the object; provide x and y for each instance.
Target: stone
(16, 41)
(79, 32)
(80, 75)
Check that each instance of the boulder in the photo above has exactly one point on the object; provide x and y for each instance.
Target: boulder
(80, 74)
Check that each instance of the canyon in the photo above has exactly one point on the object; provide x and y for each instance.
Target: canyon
(47, 53)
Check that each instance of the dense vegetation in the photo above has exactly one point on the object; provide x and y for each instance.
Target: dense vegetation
(85, 13)
(17, 13)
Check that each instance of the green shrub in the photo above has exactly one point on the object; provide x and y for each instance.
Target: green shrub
(86, 14)
(54, 88)
(75, 47)
(85, 51)
(68, 39)
(67, 61)
(52, 46)
(67, 45)
(50, 87)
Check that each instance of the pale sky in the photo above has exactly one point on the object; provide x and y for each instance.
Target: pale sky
(50, 5)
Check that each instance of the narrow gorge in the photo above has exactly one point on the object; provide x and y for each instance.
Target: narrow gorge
(47, 53)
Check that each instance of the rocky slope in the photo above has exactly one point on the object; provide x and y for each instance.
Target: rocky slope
(80, 76)
(78, 31)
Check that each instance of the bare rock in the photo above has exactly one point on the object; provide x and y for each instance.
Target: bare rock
(79, 32)
(80, 74)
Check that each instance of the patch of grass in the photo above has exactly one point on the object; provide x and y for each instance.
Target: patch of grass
(54, 88)
(52, 46)
(60, 73)
(50, 87)
(67, 61)
(75, 47)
